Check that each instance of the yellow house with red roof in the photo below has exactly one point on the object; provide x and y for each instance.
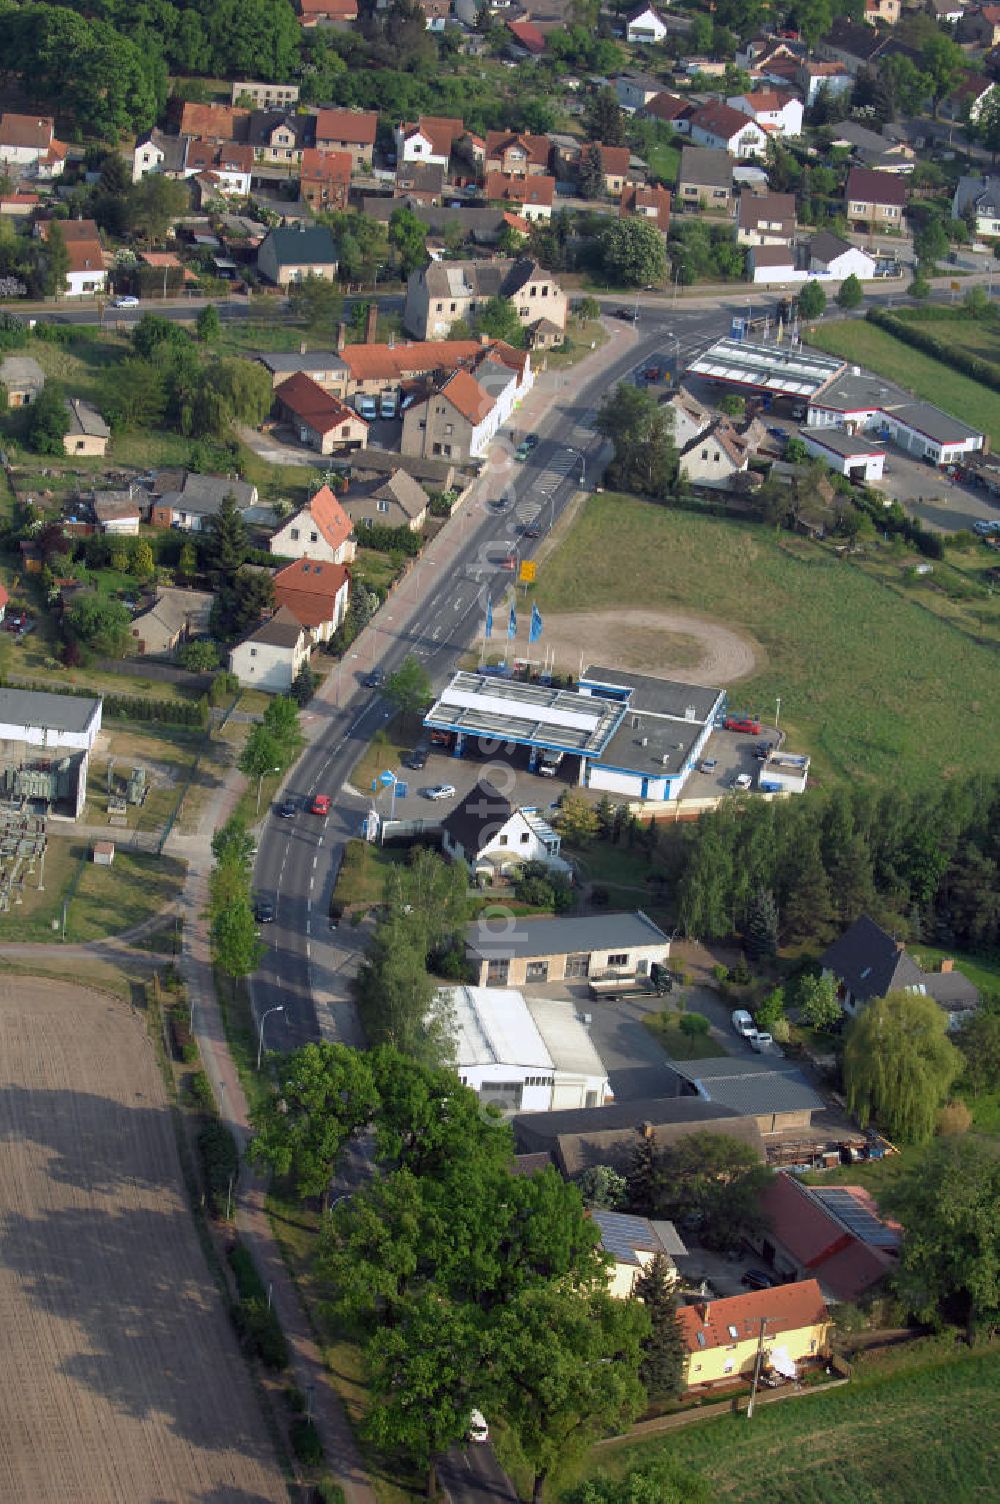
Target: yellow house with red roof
(721, 1337)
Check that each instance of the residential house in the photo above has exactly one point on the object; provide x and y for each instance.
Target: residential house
(690, 417)
(523, 1054)
(249, 94)
(632, 1243)
(320, 420)
(224, 168)
(28, 146)
(455, 419)
(320, 530)
(815, 77)
(555, 950)
(670, 109)
(340, 13)
(855, 46)
(494, 838)
(325, 178)
(117, 512)
(718, 125)
(634, 90)
(872, 149)
(436, 13)
(768, 1088)
(326, 367)
(439, 294)
(615, 162)
(866, 962)
(874, 200)
(610, 1135)
(374, 368)
(174, 617)
(190, 504)
(948, 12)
(517, 154)
(977, 200)
(87, 434)
(317, 595)
(279, 137)
(429, 139)
(830, 256)
(86, 274)
(531, 197)
(419, 182)
(213, 122)
(705, 178)
(979, 25)
(150, 152)
(645, 25)
(723, 1339)
(969, 98)
(19, 204)
(273, 655)
(716, 457)
(399, 501)
(348, 130)
(768, 265)
(766, 219)
(832, 1234)
(22, 378)
(527, 38)
(882, 12)
(290, 253)
(646, 203)
(778, 112)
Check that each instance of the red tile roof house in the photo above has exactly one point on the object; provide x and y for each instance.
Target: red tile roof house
(722, 1337)
(429, 139)
(347, 130)
(527, 37)
(316, 594)
(327, 12)
(325, 178)
(319, 419)
(719, 125)
(86, 273)
(516, 152)
(532, 195)
(646, 203)
(831, 1233)
(320, 530)
(874, 200)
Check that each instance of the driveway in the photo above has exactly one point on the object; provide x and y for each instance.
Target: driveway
(926, 492)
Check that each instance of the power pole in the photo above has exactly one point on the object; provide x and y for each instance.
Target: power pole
(756, 1367)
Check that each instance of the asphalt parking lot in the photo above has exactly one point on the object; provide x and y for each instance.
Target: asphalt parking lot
(510, 776)
(734, 754)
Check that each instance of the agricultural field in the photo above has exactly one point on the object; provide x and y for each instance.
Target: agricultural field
(895, 1437)
(123, 1378)
(871, 685)
(927, 378)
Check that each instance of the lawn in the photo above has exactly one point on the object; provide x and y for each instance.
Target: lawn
(665, 1027)
(895, 1438)
(975, 336)
(100, 901)
(870, 684)
(361, 879)
(870, 346)
(663, 162)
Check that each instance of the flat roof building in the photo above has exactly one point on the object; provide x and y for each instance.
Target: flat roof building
(768, 1088)
(783, 370)
(49, 740)
(521, 951)
(861, 403)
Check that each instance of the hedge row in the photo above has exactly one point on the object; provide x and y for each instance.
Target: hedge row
(128, 707)
(983, 371)
(256, 1321)
(391, 540)
(219, 1164)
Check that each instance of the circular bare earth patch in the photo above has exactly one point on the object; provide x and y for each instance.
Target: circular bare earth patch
(670, 644)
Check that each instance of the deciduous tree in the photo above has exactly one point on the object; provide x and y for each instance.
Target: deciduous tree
(409, 688)
(633, 252)
(324, 1095)
(899, 1064)
(817, 1002)
(850, 293)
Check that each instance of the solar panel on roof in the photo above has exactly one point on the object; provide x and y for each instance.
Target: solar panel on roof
(857, 1218)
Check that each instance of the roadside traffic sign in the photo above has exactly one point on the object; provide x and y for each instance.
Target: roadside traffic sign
(528, 571)
(402, 789)
(387, 779)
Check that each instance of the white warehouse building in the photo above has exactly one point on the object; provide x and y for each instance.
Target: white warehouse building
(847, 453)
(47, 741)
(524, 1055)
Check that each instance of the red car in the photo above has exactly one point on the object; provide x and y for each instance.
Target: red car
(743, 723)
(320, 805)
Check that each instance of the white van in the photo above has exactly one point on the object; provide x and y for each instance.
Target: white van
(743, 1023)
(759, 1042)
(478, 1429)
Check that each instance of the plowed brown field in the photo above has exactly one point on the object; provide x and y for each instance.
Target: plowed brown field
(120, 1378)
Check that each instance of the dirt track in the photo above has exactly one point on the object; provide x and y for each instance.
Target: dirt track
(673, 644)
(121, 1376)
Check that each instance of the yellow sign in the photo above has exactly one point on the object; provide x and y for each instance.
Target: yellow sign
(528, 568)
(956, 287)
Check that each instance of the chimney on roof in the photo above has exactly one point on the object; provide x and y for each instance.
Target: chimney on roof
(947, 964)
(371, 323)
(646, 1129)
(705, 1310)
(341, 337)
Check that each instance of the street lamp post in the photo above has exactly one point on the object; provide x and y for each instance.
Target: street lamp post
(278, 1008)
(777, 713)
(260, 784)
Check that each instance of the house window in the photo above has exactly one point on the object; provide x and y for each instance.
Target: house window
(449, 428)
(501, 840)
(313, 537)
(369, 522)
(497, 971)
(536, 971)
(525, 837)
(253, 652)
(704, 454)
(618, 958)
(345, 433)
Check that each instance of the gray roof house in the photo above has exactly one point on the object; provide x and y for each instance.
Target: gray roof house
(289, 253)
(867, 962)
(579, 1138)
(550, 950)
(399, 501)
(200, 496)
(705, 172)
(980, 199)
(173, 617)
(22, 378)
(767, 1088)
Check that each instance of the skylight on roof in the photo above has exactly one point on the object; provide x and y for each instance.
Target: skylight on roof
(733, 1333)
(866, 973)
(701, 1338)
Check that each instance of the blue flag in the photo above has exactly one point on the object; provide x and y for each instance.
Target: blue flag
(512, 622)
(489, 617)
(535, 630)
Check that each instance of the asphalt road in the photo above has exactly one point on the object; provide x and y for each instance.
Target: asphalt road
(472, 1475)
(299, 858)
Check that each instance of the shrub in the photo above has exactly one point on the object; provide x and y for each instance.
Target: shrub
(600, 897)
(328, 1493)
(219, 1164)
(200, 1091)
(720, 973)
(694, 1024)
(740, 973)
(260, 1333)
(953, 1118)
(305, 1441)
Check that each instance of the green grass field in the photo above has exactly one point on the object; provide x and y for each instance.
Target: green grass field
(870, 684)
(976, 336)
(663, 162)
(919, 373)
(894, 1438)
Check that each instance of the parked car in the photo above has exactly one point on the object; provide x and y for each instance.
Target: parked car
(529, 530)
(263, 911)
(375, 679)
(743, 782)
(288, 808)
(365, 408)
(522, 451)
(758, 1279)
(125, 301)
(986, 527)
(630, 315)
(417, 758)
(388, 406)
(747, 723)
(440, 791)
(799, 412)
(742, 1022)
(320, 805)
(762, 751)
(532, 440)
(779, 434)
(708, 765)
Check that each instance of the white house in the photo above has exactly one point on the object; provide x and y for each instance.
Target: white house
(320, 530)
(718, 125)
(716, 456)
(776, 112)
(979, 199)
(429, 139)
(834, 78)
(644, 25)
(494, 838)
(690, 417)
(773, 263)
(47, 724)
(272, 656)
(521, 1055)
(632, 1243)
(830, 256)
